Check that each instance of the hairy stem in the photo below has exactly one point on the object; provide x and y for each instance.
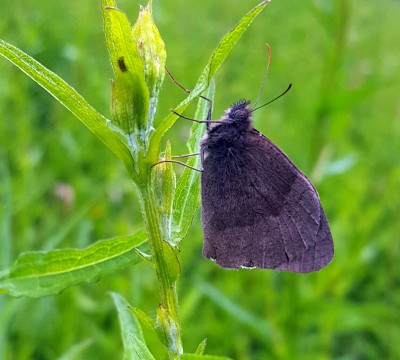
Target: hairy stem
(169, 323)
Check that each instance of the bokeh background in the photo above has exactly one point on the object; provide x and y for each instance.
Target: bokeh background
(61, 187)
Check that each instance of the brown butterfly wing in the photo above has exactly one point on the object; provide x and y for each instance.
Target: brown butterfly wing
(260, 211)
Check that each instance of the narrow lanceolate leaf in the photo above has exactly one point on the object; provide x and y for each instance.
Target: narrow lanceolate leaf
(186, 199)
(70, 98)
(217, 58)
(144, 319)
(152, 51)
(131, 331)
(140, 350)
(202, 346)
(226, 45)
(130, 96)
(37, 274)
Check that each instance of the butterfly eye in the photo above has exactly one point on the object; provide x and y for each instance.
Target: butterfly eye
(240, 114)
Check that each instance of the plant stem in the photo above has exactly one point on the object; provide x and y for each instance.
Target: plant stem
(169, 319)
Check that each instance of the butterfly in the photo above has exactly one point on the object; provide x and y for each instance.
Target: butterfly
(258, 209)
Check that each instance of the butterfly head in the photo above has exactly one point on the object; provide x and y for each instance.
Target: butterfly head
(239, 111)
(236, 118)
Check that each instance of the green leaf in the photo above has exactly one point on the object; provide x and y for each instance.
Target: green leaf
(203, 357)
(130, 96)
(37, 274)
(144, 255)
(152, 51)
(171, 256)
(216, 60)
(71, 99)
(226, 45)
(202, 346)
(144, 319)
(141, 352)
(186, 199)
(152, 325)
(164, 183)
(131, 331)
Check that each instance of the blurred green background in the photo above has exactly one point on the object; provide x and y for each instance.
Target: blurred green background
(60, 187)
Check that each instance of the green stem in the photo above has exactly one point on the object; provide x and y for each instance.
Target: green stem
(168, 317)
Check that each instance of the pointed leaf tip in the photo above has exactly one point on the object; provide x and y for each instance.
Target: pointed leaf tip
(217, 58)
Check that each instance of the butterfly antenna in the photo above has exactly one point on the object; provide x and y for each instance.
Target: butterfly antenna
(269, 102)
(187, 91)
(265, 76)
